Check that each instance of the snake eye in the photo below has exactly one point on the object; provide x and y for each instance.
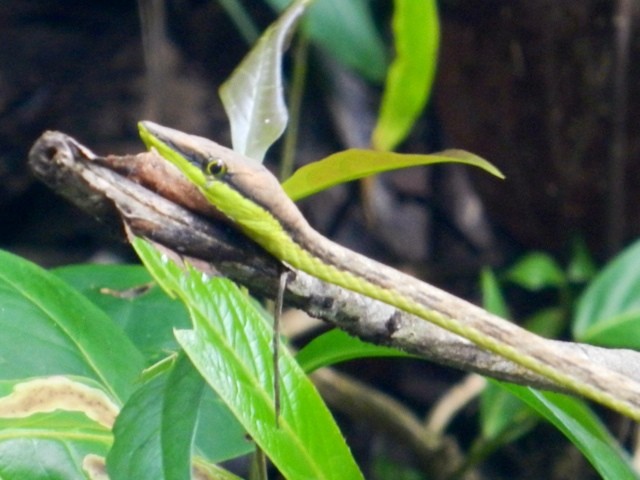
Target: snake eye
(215, 167)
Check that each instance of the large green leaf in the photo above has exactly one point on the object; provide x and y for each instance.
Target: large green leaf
(353, 164)
(48, 328)
(253, 94)
(608, 311)
(129, 296)
(337, 346)
(346, 30)
(53, 427)
(416, 32)
(573, 418)
(230, 346)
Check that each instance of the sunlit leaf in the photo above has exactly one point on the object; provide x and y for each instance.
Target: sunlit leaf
(353, 164)
(333, 24)
(231, 347)
(253, 94)
(416, 33)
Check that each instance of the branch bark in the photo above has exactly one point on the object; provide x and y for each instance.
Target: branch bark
(153, 200)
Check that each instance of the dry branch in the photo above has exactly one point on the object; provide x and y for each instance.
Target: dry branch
(154, 201)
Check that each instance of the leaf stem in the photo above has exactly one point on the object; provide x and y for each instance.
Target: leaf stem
(242, 20)
(300, 63)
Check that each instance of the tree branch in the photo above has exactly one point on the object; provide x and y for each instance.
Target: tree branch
(154, 201)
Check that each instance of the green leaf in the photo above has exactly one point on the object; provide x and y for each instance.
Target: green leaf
(492, 297)
(416, 32)
(66, 432)
(184, 388)
(622, 331)
(230, 346)
(611, 300)
(353, 164)
(337, 346)
(253, 94)
(536, 271)
(136, 451)
(578, 423)
(503, 417)
(41, 313)
(129, 296)
(581, 267)
(154, 432)
(547, 322)
(219, 435)
(334, 24)
(395, 468)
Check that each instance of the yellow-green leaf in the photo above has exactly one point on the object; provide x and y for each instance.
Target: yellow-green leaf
(230, 346)
(353, 164)
(416, 32)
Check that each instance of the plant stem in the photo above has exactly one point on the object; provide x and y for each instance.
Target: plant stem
(300, 61)
(241, 20)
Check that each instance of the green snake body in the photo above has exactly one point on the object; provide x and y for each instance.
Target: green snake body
(251, 198)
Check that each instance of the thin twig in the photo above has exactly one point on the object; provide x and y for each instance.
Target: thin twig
(300, 62)
(453, 401)
(437, 455)
(277, 314)
(619, 142)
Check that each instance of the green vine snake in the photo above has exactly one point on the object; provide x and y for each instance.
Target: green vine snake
(252, 199)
